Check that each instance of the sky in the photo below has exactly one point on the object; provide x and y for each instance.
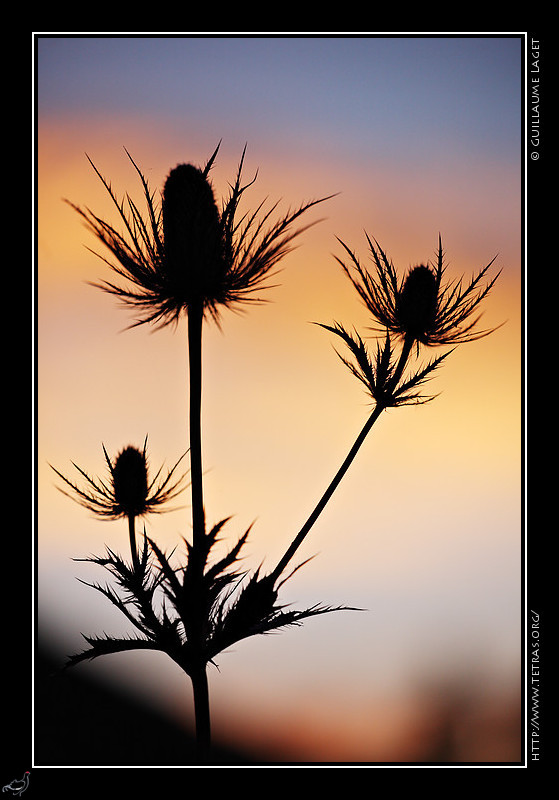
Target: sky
(414, 136)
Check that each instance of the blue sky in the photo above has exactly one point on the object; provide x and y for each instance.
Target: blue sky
(357, 92)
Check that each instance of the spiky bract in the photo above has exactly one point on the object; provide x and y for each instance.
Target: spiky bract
(129, 492)
(382, 374)
(188, 253)
(420, 306)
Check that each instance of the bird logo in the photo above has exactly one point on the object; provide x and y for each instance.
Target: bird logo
(17, 787)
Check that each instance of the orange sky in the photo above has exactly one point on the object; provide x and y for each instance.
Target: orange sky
(425, 530)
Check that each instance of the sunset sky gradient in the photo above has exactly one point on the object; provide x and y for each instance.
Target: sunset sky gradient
(414, 136)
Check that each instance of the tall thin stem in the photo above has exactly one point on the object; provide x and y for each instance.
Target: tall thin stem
(379, 408)
(195, 316)
(132, 537)
(198, 551)
(199, 679)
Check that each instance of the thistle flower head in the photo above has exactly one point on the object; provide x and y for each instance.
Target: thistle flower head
(130, 481)
(420, 307)
(187, 252)
(194, 266)
(128, 492)
(416, 303)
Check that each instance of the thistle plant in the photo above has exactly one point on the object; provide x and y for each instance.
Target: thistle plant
(418, 309)
(191, 257)
(128, 491)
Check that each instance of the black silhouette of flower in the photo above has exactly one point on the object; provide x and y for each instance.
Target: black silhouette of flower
(420, 307)
(188, 253)
(129, 492)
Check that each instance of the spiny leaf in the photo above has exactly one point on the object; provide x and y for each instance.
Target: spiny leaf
(101, 646)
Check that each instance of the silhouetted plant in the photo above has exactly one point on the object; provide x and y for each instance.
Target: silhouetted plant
(417, 309)
(189, 257)
(129, 492)
(227, 615)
